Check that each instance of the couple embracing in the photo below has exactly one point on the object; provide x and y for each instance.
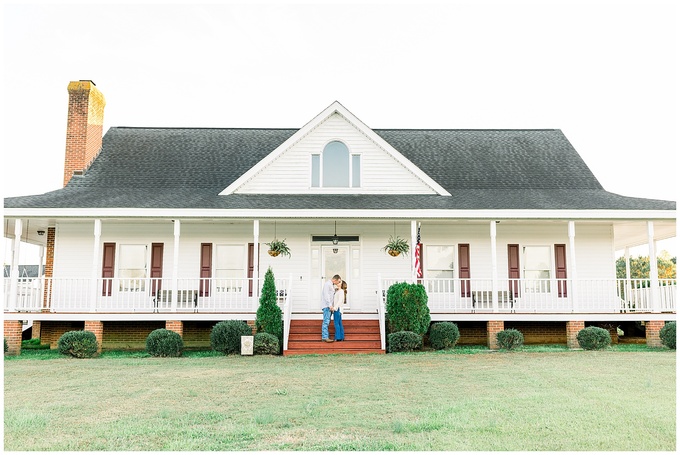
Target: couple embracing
(333, 296)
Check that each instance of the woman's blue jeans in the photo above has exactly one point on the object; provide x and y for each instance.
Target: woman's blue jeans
(339, 329)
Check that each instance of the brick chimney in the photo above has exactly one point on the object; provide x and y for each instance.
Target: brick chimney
(84, 127)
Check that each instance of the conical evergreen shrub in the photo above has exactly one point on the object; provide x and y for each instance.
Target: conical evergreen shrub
(269, 318)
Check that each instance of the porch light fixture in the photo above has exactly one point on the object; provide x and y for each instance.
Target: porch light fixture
(335, 239)
(41, 232)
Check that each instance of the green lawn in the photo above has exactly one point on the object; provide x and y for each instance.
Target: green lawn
(466, 399)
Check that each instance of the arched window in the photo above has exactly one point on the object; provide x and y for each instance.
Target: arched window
(335, 167)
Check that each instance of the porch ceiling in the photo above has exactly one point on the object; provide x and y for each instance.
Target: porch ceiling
(634, 233)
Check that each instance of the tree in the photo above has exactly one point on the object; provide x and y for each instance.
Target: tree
(639, 266)
(269, 316)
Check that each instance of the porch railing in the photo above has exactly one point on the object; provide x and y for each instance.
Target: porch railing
(241, 295)
(148, 295)
(546, 295)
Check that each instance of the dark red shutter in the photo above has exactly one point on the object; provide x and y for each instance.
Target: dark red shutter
(513, 269)
(156, 266)
(108, 267)
(464, 269)
(251, 268)
(206, 269)
(561, 269)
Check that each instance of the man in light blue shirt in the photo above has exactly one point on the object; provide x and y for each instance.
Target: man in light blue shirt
(327, 294)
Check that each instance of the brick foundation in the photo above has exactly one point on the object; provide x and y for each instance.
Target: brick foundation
(573, 328)
(51, 331)
(35, 329)
(96, 327)
(492, 328)
(12, 333)
(652, 329)
(175, 326)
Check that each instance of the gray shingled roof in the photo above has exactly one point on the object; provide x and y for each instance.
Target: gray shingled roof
(482, 169)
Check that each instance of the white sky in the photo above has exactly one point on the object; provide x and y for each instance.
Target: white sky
(604, 72)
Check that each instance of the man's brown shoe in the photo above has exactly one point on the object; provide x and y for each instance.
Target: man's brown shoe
(328, 340)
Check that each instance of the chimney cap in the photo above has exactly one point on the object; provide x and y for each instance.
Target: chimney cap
(88, 80)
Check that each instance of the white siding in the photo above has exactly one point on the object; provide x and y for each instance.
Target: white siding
(594, 250)
(291, 171)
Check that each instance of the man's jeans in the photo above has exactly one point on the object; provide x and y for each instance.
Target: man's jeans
(324, 324)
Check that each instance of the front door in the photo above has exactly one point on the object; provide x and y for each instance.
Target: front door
(335, 261)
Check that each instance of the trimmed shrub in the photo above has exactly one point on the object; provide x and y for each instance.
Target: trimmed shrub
(443, 335)
(265, 343)
(667, 335)
(404, 341)
(510, 339)
(164, 343)
(78, 343)
(407, 309)
(6, 347)
(269, 316)
(594, 338)
(225, 337)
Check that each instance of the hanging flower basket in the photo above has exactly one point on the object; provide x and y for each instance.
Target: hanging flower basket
(396, 246)
(277, 247)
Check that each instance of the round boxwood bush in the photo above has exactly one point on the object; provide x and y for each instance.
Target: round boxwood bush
(164, 343)
(404, 341)
(667, 334)
(593, 338)
(510, 339)
(443, 335)
(78, 343)
(266, 343)
(225, 337)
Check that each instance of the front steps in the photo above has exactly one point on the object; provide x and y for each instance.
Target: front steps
(361, 337)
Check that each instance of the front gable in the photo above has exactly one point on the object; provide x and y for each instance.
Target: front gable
(289, 168)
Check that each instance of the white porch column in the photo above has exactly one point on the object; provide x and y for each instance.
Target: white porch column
(256, 257)
(626, 257)
(41, 278)
(414, 235)
(571, 228)
(175, 265)
(96, 263)
(494, 267)
(653, 269)
(14, 271)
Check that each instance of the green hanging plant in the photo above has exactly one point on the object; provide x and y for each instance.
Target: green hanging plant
(396, 246)
(277, 247)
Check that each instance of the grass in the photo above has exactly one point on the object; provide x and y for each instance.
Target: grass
(538, 398)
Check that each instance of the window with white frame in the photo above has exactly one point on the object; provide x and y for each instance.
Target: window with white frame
(336, 167)
(438, 261)
(132, 267)
(536, 268)
(230, 270)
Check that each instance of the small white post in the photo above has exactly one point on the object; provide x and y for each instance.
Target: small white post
(175, 265)
(494, 267)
